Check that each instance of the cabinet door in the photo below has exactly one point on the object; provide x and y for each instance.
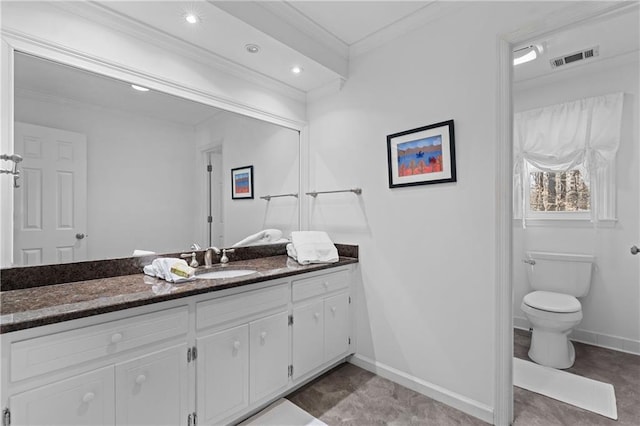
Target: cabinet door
(222, 374)
(152, 390)
(269, 355)
(308, 337)
(84, 400)
(336, 326)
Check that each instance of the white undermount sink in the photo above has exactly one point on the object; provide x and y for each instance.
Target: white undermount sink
(225, 273)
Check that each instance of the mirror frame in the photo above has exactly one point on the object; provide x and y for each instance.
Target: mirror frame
(12, 43)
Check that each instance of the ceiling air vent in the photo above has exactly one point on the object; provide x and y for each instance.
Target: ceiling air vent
(574, 57)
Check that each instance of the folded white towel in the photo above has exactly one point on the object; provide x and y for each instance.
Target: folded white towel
(312, 247)
(266, 236)
(291, 251)
(161, 268)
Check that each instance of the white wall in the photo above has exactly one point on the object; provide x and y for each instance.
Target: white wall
(140, 177)
(612, 308)
(427, 254)
(273, 151)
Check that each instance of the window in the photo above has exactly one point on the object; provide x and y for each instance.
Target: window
(558, 192)
(564, 160)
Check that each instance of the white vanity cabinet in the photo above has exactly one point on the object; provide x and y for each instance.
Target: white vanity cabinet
(207, 359)
(83, 400)
(128, 371)
(153, 389)
(321, 321)
(243, 351)
(223, 374)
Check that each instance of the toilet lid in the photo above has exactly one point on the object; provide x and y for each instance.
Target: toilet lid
(552, 302)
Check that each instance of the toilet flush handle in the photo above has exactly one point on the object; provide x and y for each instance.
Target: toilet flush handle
(529, 261)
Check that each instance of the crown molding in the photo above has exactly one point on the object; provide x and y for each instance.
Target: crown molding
(571, 16)
(102, 15)
(431, 11)
(308, 26)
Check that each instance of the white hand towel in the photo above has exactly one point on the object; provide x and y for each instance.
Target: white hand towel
(266, 236)
(162, 268)
(291, 251)
(314, 247)
(150, 270)
(271, 235)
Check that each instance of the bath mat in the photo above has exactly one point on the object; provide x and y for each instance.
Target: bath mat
(582, 392)
(283, 413)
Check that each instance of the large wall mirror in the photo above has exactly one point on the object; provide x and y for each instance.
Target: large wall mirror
(109, 169)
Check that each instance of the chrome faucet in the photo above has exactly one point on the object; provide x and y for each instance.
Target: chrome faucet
(208, 256)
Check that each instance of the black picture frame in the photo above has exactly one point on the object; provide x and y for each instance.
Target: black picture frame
(242, 183)
(422, 156)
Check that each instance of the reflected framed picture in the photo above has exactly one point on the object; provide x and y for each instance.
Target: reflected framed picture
(242, 183)
(422, 156)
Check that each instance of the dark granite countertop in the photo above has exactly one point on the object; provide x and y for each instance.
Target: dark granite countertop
(36, 306)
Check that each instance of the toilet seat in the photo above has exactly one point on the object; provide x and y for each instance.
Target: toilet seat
(552, 302)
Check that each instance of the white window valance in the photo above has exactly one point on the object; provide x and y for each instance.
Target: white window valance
(583, 134)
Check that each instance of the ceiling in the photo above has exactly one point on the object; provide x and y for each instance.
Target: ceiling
(323, 36)
(353, 21)
(616, 35)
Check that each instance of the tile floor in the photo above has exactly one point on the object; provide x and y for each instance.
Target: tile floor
(620, 369)
(348, 395)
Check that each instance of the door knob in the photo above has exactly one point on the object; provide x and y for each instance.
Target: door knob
(80, 236)
(635, 250)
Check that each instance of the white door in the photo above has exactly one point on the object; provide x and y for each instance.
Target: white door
(336, 326)
(84, 400)
(308, 337)
(152, 390)
(50, 206)
(222, 380)
(268, 356)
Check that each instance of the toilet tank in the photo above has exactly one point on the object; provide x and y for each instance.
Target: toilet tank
(560, 272)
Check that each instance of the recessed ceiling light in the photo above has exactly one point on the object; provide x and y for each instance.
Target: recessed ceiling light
(191, 18)
(296, 69)
(252, 48)
(139, 88)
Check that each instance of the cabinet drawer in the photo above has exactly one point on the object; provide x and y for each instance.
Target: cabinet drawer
(319, 285)
(59, 350)
(229, 308)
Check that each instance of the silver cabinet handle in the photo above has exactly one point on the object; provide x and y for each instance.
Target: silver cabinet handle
(635, 250)
(80, 236)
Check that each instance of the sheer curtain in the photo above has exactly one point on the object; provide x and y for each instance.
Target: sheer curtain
(582, 134)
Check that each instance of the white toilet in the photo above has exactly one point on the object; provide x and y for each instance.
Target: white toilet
(552, 308)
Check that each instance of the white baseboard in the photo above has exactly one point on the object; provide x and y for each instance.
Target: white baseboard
(457, 401)
(607, 341)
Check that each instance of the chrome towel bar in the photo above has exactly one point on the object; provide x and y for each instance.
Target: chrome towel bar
(269, 197)
(314, 194)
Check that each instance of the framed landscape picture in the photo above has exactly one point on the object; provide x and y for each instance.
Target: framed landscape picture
(242, 183)
(422, 156)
